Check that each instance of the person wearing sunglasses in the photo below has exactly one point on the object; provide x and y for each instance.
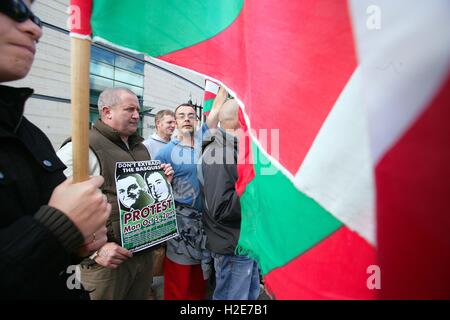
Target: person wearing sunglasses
(47, 223)
(19, 11)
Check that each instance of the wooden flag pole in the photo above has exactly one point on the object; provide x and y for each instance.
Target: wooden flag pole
(80, 59)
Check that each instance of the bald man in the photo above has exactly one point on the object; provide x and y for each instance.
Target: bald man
(237, 277)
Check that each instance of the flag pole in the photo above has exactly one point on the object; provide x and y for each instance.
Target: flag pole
(80, 60)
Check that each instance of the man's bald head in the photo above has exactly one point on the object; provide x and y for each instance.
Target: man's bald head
(228, 115)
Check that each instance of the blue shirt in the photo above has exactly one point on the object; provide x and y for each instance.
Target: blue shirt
(184, 158)
(154, 144)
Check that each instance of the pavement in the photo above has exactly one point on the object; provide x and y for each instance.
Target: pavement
(158, 290)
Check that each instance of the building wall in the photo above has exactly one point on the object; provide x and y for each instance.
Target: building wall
(163, 90)
(164, 86)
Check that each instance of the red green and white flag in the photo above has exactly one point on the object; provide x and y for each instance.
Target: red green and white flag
(211, 89)
(344, 187)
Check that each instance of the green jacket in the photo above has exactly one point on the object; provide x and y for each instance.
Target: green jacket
(109, 148)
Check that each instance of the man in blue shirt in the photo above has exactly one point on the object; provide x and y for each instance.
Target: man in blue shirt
(183, 276)
(164, 128)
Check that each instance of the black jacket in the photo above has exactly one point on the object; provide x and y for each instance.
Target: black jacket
(222, 217)
(36, 241)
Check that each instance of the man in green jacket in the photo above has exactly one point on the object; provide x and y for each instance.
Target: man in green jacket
(114, 272)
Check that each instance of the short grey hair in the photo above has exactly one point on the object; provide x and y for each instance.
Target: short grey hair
(111, 97)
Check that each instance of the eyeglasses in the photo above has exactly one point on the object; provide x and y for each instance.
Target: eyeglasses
(18, 11)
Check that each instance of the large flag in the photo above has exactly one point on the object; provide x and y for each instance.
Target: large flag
(344, 184)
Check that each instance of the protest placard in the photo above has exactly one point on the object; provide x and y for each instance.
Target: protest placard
(147, 208)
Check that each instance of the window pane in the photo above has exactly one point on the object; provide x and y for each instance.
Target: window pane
(128, 64)
(99, 83)
(102, 55)
(93, 115)
(129, 77)
(102, 69)
(137, 90)
(93, 98)
(136, 55)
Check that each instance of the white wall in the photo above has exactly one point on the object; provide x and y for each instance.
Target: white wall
(165, 91)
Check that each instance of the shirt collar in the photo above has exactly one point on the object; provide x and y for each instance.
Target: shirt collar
(12, 103)
(156, 137)
(114, 136)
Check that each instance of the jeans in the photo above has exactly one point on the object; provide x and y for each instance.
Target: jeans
(237, 278)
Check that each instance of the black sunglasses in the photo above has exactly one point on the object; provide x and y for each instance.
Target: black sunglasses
(18, 11)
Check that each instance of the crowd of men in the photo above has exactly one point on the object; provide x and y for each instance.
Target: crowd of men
(45, 214)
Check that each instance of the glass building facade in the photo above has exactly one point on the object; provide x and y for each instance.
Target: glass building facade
(109, 69)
